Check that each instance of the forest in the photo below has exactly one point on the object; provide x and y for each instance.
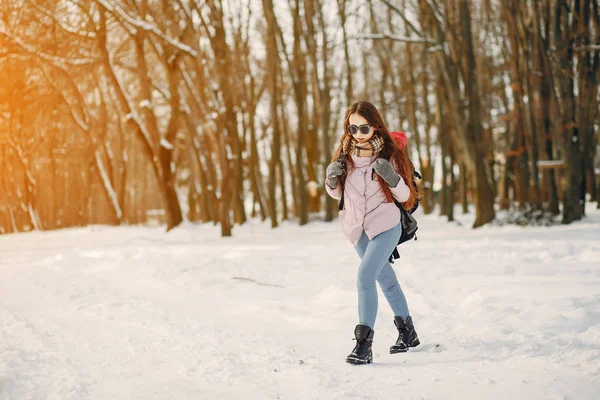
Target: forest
(123, 112)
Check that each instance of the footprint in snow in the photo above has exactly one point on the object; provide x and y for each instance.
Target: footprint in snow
(428, 348)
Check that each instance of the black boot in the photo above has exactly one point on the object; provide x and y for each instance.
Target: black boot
(407, 335)
(362, 353)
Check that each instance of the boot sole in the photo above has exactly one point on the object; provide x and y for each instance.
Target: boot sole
(358, 361)
(396, 350)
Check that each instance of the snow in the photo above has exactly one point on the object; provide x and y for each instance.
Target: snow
(550, 163)
(166, 144)
(136, 313)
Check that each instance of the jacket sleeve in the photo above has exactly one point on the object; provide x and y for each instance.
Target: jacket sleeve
(401, 192)
(335, 193)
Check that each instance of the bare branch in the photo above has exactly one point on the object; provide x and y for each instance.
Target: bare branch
(60, 24)
(146, 26)
(591, 47)
(437, 13)
(392, 37)
(401, 14)
(130, 66)
(30, 49)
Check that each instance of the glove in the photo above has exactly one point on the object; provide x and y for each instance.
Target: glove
(334, 170)
(385, 170)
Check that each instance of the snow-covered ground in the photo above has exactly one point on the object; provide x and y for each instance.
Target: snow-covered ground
(134, 313)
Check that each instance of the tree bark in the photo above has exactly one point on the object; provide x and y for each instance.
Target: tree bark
(481, 174)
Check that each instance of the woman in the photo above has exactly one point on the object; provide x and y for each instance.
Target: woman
(371, 220)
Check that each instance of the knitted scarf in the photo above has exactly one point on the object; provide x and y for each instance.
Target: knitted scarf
(366, 149)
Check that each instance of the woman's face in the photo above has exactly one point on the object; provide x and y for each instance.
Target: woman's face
(358, 120)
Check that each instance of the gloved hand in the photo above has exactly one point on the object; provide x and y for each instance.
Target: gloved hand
(334, 170)
(386, 171)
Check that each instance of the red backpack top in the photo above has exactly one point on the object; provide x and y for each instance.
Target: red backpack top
(399, 138)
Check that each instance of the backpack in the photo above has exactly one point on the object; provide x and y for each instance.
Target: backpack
(409, 223)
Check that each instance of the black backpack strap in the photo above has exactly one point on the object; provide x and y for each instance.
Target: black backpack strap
(341, 159)
(417, 175)
(394, 256)
(341, 206)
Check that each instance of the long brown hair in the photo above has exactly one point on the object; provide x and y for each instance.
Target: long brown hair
(390, 151)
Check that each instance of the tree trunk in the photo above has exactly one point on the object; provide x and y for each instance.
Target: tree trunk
(428, 167)
(312, 144)
(464, 201)
(349, 86)
(272, 62)
(326, 106)
(133, 123)
(482, 180)
(255, 175)
(569, 132)
(588, 69)
(443, 134)
(299, 67)
(451, 186)
(284, 206)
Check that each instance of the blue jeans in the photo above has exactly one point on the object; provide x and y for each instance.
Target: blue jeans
(374, 266)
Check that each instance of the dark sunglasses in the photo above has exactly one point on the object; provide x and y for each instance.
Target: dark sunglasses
(364, 129)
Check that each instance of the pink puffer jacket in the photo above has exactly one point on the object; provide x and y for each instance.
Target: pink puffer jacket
(365, 205)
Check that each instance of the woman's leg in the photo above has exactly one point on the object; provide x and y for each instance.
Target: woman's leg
(374, 256)
(361, 247)
(388, 282)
